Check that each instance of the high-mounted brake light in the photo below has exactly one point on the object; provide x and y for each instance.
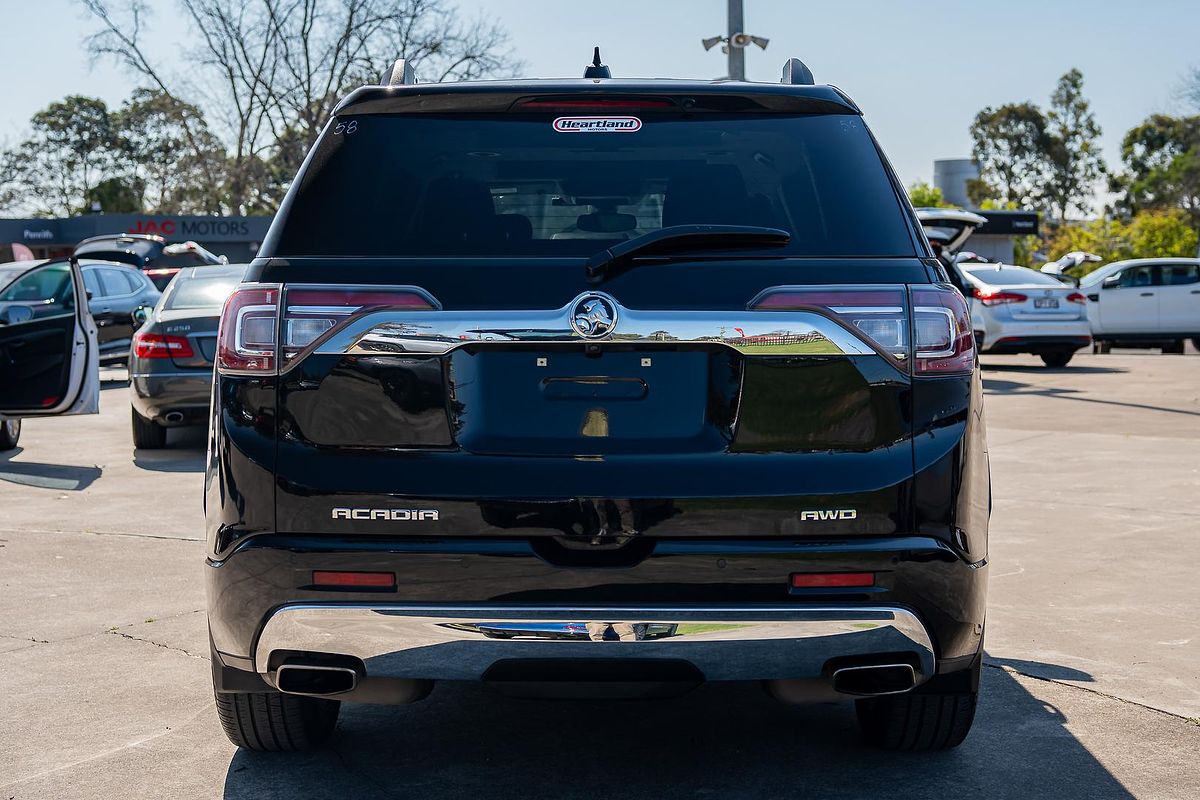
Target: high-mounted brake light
(594, 102)
(993, 297)
(155, 345)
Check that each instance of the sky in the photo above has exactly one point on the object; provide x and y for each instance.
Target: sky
(919, 70)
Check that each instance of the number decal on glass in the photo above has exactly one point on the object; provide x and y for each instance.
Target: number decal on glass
(345, 127)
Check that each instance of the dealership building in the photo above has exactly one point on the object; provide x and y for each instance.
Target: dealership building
(235, 237)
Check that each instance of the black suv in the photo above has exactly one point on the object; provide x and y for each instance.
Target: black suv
(603, 387)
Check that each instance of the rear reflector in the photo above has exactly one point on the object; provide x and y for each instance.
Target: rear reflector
(154, 345)
(354, 580)
(832, 580)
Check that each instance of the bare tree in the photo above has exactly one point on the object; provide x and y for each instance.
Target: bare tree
(268, 73)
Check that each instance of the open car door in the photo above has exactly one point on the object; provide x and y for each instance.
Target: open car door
(49, 362)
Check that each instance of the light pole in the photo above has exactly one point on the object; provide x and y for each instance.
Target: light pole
(737, 55)
(735, 42)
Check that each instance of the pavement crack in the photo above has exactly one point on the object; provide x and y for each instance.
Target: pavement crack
(133, 638)
(104, 533)
(24, 639)
(1069, 685)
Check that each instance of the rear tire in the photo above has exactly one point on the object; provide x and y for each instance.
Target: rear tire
(1102, 347)
(1196, 343)
(936, 716)
(1056, 360)
(276, 722)
(148, 434)
(10, 433)
(1175, 348)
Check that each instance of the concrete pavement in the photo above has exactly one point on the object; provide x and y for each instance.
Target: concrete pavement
(1092, 687)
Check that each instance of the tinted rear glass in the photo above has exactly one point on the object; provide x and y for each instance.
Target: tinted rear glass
(492, 185)
(208, 291)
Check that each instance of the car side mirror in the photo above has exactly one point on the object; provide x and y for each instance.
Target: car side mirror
(141, 314)
(1111, 282)
(15, 314)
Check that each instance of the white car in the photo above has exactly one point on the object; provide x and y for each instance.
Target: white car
(1018, 310)
(1149, 302)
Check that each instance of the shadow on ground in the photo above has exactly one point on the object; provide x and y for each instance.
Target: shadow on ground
(184, 452)
(992, 366)
(1000, 386)
(63, 477)
(719, 741)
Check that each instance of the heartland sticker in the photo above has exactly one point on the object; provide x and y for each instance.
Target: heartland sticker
(597, 124)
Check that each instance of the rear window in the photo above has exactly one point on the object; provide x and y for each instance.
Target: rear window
(201, 292)
(497, 185)
(1012, 276)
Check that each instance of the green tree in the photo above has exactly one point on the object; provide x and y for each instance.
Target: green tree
(116, 196)
(1162, 234)
(71, 148)
(167, 148)
(1107, 238)
(1159, 233)
(1162, 167)
(1072, 149)
(922, 195)
(1010, 145)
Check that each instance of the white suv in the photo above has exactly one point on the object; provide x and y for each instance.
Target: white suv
(1152, 302)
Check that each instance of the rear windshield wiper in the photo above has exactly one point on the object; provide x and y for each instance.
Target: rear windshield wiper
(681, 238)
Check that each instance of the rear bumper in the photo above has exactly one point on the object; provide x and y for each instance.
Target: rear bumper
(1036, 344)
(1002, 335)
(456, 601)
(155, 395)
(722, 643)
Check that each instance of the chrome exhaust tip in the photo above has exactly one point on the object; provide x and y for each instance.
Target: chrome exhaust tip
(173, 417)
(872, 680)
(315, 680)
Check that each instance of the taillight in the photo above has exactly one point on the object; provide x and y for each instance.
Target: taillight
(311, 311)
(246, 338)
(992, 297)
(250, 323)
(877, 313)
(943, 340)
(1076, 297)
(154, 345)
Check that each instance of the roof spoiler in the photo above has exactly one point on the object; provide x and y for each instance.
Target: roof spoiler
(795, 73)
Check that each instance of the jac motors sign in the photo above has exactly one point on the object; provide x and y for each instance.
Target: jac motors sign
(191, 228)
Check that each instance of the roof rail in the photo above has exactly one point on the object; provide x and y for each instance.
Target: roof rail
(399, 74)
(796, 74)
